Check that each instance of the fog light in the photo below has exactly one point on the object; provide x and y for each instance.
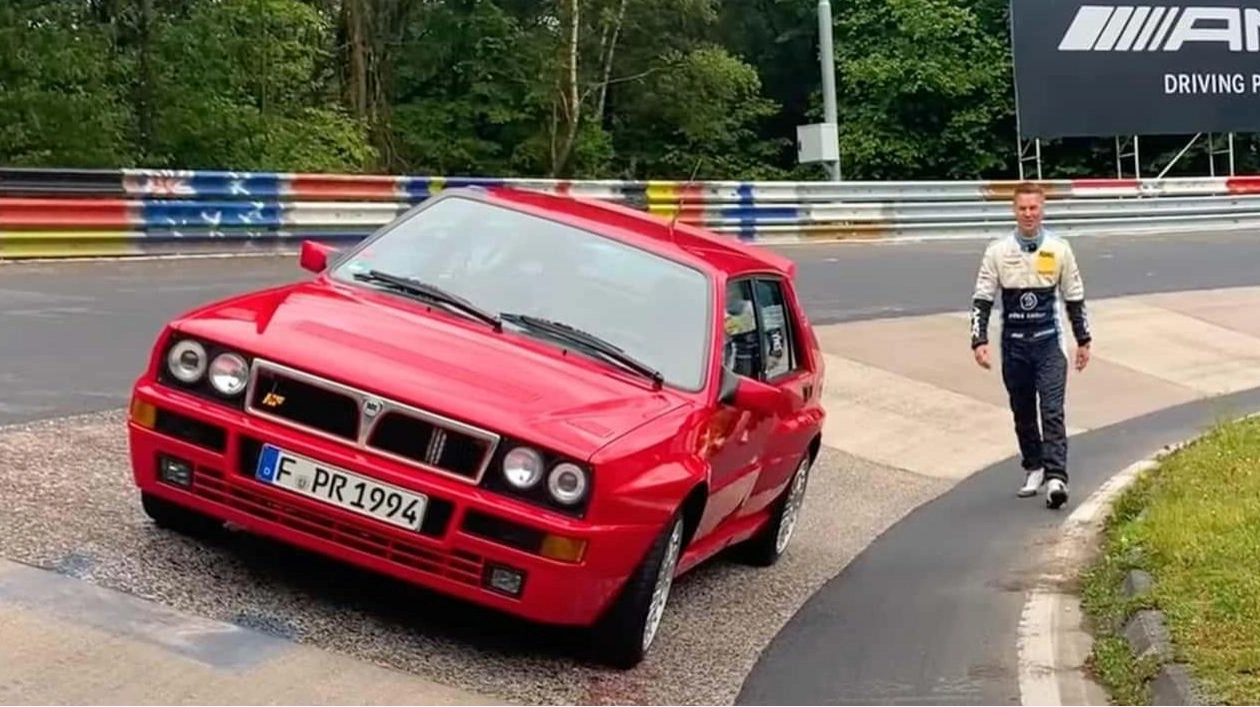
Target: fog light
(505, 580)
(175, 471)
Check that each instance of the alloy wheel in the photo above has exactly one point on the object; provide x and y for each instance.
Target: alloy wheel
(792, 506)
(664, 581)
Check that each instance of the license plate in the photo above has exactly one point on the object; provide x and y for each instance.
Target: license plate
(341, 488)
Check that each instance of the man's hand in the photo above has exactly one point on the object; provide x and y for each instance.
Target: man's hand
(982, 356)
(1082, 357)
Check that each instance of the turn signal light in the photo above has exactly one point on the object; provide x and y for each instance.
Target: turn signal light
(143, 413)
(558, 547)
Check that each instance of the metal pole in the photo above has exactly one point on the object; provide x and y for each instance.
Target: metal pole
(1211, 157)
(827, 57)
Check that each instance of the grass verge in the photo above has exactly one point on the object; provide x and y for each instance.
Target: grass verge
(1193, 523)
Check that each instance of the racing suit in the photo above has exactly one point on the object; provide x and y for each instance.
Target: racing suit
(1038, 280)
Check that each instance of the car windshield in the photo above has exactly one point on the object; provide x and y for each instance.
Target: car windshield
(504, 260)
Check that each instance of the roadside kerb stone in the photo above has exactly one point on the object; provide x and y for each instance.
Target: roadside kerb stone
(1147, 634)
(1146, 630)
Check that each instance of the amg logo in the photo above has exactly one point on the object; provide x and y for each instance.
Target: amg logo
(1123, 28)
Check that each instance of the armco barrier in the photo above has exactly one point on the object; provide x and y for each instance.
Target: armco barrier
(59, 213)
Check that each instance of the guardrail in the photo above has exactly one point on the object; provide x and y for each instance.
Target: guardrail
(59, 213)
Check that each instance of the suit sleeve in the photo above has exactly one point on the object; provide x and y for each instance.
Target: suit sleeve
(1073, 288)
(982, 298)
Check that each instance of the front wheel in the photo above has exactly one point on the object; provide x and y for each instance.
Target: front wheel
(624, 635)
(765, 548)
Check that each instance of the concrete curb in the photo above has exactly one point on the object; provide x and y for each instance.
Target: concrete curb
(1053, 648)
(1052, 642)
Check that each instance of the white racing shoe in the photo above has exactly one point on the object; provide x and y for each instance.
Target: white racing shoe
(1032, 482)
(1056, 493)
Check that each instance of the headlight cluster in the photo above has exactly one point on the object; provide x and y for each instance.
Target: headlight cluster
(525, 470)
(193, 364)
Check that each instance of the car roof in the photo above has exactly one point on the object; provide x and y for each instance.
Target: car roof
(685, 242)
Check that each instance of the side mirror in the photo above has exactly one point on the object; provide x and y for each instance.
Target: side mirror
(314, 256)
(748, 394)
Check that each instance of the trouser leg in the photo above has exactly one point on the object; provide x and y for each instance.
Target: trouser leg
(1051, 388)
(1019, 375)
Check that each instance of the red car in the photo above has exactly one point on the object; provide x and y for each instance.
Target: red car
(545, 405)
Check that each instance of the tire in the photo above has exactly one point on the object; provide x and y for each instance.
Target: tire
(766, 547)
(171, 516)
(624, 635)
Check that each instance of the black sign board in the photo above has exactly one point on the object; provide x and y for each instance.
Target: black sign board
(1094, 70)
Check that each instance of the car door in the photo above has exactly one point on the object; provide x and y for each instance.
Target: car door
(737, 439)
(785, 366)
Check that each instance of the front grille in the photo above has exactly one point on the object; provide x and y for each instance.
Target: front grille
(416, 440)
(460, 566)
(402, 432)
(306, 404)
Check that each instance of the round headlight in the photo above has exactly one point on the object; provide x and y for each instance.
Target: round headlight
(187, 361)
(229, 373)
(523, 467)
(567, 483)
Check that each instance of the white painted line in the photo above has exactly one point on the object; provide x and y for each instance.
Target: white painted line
(1100, 501)
(1039, 649)
(1038, 684)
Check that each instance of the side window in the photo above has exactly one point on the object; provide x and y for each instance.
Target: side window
(742, 350)
(778, 350)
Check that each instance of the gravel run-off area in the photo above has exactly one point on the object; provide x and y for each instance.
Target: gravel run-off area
(71, 507)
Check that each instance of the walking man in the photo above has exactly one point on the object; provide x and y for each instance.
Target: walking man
(1035, 273)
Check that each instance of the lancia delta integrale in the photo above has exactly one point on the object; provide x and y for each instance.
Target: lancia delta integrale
(545, 405)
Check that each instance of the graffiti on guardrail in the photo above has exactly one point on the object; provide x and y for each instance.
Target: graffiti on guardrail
(48, 212)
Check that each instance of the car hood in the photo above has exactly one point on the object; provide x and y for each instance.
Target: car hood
(395, 349)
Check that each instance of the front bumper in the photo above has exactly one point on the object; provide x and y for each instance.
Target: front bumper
(473, 544)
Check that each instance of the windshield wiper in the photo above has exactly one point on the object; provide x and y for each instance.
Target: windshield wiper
(590, 341)
(431, 292)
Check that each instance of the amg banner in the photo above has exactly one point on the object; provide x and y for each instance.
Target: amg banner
(1093, 70)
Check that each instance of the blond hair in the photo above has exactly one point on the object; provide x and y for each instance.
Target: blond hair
(1028, 188)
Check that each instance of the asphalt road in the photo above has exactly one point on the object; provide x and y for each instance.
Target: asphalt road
(74, 335)
(848, 281)
(929, 612)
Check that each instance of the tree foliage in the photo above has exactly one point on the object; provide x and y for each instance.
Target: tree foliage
(659, 89)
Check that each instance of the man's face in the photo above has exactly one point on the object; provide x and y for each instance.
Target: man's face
(1028, 212)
